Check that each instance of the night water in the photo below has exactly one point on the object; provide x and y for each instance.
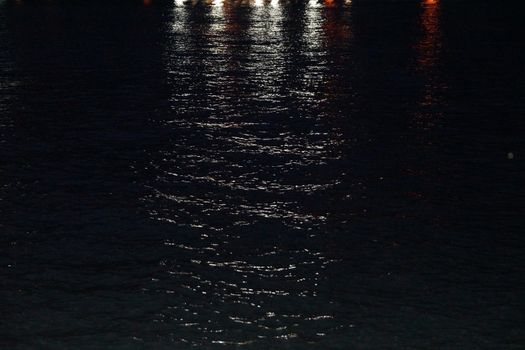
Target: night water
(261, 174)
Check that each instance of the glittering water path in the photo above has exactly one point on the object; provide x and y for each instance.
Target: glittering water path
(260, 174)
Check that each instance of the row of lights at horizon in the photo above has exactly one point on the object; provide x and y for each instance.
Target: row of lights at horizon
(257, 3)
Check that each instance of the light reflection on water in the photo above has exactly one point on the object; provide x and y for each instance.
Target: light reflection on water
(257, 172)
(252, 72)
(240, 167)
(429, 51)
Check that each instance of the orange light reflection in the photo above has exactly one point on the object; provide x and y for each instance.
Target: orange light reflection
(428, 50)
(329, 3)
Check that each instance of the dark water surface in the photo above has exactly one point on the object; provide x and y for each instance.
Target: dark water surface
(261, 174)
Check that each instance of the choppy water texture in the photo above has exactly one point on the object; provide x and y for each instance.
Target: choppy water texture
(261, 174)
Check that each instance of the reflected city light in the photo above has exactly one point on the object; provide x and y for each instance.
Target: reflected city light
(329, 3)
(429, 46)
(314, 3)
(313, 32)
(264, 30)
(272, 173)
(428, 50)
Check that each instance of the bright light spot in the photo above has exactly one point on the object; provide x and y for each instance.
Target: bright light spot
(510, 155)
(314, 3)
(259, 3)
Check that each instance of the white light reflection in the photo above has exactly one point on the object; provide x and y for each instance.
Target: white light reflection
(313, 33)
(314, 4)
(205, 187)
(179, 24)
(314, 38)
(266, 58)
(245, 292)
(217, 16)
(218, 3)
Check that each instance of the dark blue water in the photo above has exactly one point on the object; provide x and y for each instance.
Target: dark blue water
(261, 174)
